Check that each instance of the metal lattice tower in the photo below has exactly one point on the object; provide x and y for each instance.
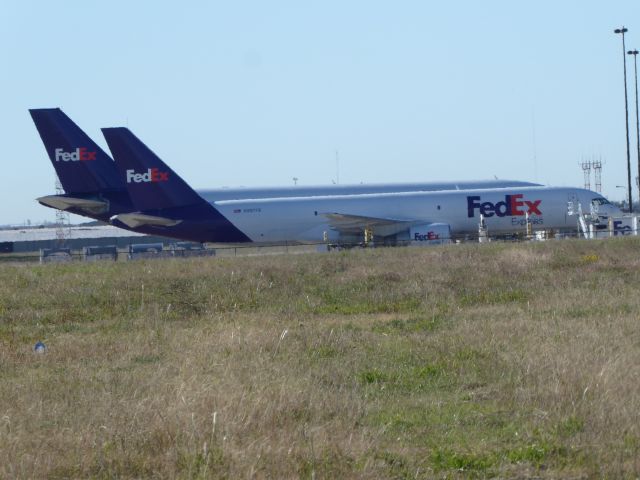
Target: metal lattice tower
(597, 173)
(586, 168)
(596, 166)
(63, 227)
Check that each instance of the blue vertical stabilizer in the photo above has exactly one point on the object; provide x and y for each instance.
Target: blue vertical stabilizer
(82, 166)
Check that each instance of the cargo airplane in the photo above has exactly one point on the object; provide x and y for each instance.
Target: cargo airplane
(94, 188)
(163, 200)
(140, 192)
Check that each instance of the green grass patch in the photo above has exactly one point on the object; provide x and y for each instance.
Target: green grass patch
(323, 352)
(498, 296)
(446, 459)
(370, 377)
(570, 426)
(342, 305)
(146, 359)
(421, 324)
(536, 454)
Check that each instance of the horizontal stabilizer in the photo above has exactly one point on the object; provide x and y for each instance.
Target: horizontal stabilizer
(347, 223)
(136, 219)
(62, 202)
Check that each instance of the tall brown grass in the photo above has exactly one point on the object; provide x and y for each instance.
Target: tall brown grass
(507, 360)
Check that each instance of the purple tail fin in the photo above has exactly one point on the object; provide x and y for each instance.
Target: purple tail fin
(82, 166)
(150, 182)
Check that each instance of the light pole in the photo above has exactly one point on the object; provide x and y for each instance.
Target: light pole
(635, 68)
(622, 31)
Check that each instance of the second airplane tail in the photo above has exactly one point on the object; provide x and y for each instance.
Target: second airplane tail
(161, 199)
(150, 182)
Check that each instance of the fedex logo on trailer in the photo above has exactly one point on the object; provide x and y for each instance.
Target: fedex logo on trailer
(623, 226)
(512, 206)
(430, 234)
(424, 237)
(80, 154)
(152, 175)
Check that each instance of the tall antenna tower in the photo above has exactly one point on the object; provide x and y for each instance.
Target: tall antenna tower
(63, 227)
(595, 165)
(597, 173)
(586, 168)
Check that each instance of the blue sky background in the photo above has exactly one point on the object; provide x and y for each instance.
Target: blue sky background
(255, 93)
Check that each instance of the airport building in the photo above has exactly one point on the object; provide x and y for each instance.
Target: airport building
(34, 239)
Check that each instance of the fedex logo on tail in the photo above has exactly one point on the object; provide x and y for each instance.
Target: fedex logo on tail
(80, 154)
(152, 175)
(512, 206)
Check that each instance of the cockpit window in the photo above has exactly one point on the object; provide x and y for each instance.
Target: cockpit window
(600, 201)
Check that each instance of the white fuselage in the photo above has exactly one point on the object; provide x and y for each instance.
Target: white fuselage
(243, 193)
(505, 210)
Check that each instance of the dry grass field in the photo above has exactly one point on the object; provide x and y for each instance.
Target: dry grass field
(468, 361)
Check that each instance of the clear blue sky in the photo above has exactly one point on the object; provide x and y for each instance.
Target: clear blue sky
(255, 92)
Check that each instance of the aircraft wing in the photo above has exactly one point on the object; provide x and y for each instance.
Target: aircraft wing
(347, 223)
